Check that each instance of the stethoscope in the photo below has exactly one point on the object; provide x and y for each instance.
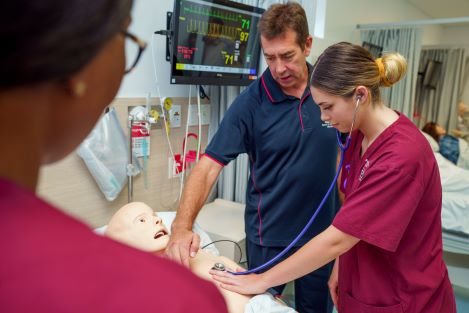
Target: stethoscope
(343, 147)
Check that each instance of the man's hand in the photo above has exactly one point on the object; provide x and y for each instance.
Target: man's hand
(183, 244)
(333, 283)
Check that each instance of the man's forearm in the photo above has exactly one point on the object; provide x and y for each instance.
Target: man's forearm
(195, 193)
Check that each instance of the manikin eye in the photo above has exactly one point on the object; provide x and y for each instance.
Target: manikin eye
(142, 220)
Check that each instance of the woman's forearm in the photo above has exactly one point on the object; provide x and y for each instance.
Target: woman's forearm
(319, 251)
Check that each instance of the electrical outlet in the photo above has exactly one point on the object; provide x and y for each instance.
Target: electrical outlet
(175, 116)
(172, 169)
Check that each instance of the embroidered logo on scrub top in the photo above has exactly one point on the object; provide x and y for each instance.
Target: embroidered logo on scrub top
(347, 168)
(363, 170)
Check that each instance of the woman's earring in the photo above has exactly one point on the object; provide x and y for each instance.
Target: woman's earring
(80, 89)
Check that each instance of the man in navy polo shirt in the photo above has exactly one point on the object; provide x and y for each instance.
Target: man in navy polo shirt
(292, 158)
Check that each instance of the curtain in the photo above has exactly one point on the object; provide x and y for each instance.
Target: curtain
(438, 103)
(407, 41)
(232, 182)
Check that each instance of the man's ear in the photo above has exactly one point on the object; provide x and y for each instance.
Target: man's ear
(308, 45)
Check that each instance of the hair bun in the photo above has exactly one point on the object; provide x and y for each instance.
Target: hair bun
(392, 68)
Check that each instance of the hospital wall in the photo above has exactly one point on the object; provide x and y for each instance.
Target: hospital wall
(69, 185)
(342, 18)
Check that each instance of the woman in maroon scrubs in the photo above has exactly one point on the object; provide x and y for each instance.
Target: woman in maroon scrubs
(386, 238)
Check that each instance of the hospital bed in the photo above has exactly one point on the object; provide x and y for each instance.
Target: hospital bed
(455, 206)
(455, 220)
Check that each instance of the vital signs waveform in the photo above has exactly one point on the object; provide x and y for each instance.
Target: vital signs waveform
(206, 11)
(212, 29)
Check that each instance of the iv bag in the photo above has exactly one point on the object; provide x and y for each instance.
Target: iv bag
(106, 154)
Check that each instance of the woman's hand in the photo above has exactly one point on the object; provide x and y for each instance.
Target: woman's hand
(251, 284)
(333, 283)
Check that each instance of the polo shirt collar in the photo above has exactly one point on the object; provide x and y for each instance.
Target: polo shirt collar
(272, 88)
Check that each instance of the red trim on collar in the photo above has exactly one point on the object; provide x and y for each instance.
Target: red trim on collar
(267, 90)
(299, 110)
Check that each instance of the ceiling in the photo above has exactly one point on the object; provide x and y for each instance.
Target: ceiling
(442, 8)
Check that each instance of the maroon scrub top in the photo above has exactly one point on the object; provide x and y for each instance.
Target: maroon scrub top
(393, 205)
(50, 262)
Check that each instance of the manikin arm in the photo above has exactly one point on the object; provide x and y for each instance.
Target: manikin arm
(183, 242)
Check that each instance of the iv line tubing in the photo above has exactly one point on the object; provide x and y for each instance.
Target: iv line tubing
(184, 149)
(199, 139)
(161, 99)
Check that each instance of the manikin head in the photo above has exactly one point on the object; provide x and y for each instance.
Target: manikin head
(136, 225)
(462, 108)
(435, 130)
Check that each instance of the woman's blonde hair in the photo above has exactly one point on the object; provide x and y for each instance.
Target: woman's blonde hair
(344, 66)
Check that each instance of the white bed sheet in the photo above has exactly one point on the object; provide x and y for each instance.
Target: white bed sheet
(455, 206)
(463, 159)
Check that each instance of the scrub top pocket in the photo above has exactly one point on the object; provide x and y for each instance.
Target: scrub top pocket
(352, 305)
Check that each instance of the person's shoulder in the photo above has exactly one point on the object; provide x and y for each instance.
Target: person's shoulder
(251, 95)
(63, 264)
(161, 284)
(141, 281)
(406, 148)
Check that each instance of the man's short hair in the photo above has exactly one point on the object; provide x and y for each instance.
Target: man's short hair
(281, 17)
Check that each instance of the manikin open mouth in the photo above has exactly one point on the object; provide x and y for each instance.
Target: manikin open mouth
(160, 234)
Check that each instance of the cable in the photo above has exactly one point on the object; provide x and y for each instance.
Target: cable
(202, 93)
(164, 32)
(166, 131)
(161, 99)
(184, 148)
(343, 147)
(199, 139)
(237, 245)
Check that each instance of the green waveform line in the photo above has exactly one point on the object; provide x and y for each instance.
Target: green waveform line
(213, 13)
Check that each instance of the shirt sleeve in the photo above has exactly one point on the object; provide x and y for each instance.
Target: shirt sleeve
(235, 131)
(380, 209)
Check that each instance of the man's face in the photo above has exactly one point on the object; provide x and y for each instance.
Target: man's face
(138, 226)
(287, 60)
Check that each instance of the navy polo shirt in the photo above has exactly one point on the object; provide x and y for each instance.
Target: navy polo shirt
(292, 161)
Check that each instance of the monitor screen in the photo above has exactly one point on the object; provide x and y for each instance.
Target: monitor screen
(215, 42)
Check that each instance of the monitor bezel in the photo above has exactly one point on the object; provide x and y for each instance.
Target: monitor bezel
(219, 81)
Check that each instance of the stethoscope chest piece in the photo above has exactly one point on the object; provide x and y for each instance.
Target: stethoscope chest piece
(219, 267)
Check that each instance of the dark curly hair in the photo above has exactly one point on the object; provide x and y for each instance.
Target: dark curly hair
(47, 40)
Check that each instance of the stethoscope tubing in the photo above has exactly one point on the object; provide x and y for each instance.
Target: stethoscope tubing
(343, 147)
